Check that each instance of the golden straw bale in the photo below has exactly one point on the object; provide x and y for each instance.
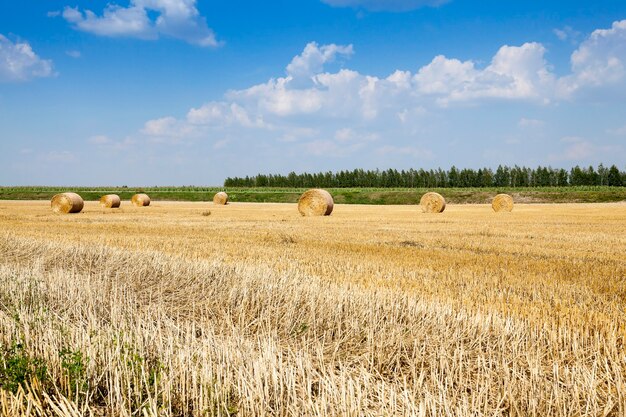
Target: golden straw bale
(315, 202)
(140, 200)
(110, 201)
(220, 198)
(433, 203)
(502, 202)
(67, 203)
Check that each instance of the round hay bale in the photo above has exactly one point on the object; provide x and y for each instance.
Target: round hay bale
(140, 200)
(67, 203)
(315, 202)
(110, 201)
(502, 202)
(433, 203)
(220, 198)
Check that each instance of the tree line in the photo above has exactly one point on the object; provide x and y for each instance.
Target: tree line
(503, 176)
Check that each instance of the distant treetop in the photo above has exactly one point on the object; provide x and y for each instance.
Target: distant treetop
(503, 176)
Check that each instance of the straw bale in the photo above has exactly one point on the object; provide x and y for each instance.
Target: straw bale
(433, 203)
(140, 200)
(110, 201)
(502, 202)
(67, 203)
(220, 198)
(315, 202)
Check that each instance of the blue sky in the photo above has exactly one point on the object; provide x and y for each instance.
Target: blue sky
(185, 92)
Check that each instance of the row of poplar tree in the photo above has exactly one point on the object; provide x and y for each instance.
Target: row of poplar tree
(503, 176)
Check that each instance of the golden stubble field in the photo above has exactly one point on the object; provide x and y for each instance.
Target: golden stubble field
(250, 309)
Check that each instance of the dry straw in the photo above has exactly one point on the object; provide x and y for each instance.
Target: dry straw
(220, 198)
(67, 203)
(140, 200)
(502, 202)
(315, 202)
(110, 201)
(433, 203)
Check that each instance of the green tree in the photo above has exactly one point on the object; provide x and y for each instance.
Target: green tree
(614, 178)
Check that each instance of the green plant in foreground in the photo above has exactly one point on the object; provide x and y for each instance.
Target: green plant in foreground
(75, 367)
(18, 368)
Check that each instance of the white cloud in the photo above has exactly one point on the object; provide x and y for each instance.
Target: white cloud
(99, 140)
(312, 59)
(18, 62)
(518, 73)
(598, 62)
(212, 116)
(178, 19)
(222, 114)
(561, 34)
(295, 134)
(515, 72)
(620, 131)
(386, 5)
(59, 156)
(320, 112)
(276, 97)
(73, 54)
(168, 128)
(577, 148)
(321, 147)
(221, 144)
(346, 134)
(530, 123)
(567, 33)
(104, 142)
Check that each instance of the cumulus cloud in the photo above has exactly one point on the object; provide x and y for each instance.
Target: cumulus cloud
(178, 19)
(220, 114)
(340, 112)
(312, 59)
(515, 72)
(386, 5)
(211, 117)
(18, 62)
(599, 61)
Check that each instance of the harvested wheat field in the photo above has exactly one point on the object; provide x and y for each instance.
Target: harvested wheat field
(253, 310)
